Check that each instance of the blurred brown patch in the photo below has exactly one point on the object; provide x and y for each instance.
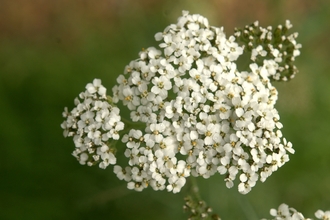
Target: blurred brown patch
(31, 19)
(35, 19)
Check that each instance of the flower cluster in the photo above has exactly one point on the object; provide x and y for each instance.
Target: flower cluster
(202, 115)
(198, 210)
(92, 124)
(284, 212)
(271, 48)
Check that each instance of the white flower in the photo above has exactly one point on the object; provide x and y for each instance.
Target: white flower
(161, 85)
(86, 119)
(96, 87)
(244, 188)
(158, 184)
(122, 173)
(274, 160)
(107, 158)
(156, 132)
(322, 215)
(175, 184)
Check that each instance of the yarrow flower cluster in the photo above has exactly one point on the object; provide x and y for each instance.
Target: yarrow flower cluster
(271, 48)
(202, 114)
(194, 112)
(284, 212)
(93, 123)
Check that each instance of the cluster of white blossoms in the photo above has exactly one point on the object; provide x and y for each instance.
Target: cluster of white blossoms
(272, 49)
(284, 212)
(202, 114)
(93, 123)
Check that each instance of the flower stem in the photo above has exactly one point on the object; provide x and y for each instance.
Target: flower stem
(195, 188)
(196, 206)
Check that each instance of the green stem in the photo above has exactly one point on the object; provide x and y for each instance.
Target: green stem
(130, 124)
(195, 188)
(196, 206)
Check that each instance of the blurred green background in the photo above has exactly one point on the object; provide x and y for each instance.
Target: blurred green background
(49, 51)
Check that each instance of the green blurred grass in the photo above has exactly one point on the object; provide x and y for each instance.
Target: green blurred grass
(44, 71)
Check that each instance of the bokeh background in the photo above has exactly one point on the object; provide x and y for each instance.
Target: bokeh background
(49, 51)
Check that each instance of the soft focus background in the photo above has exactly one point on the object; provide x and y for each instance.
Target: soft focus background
(49, 51)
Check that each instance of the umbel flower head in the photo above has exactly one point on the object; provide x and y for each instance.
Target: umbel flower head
(93, 123)
(202, 113)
